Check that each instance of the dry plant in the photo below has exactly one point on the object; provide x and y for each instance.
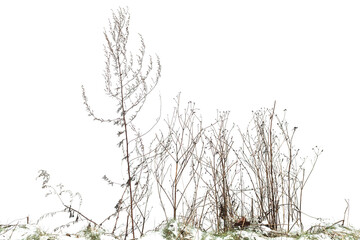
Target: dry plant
(276, 175)
(221, 174)
(346, 213)
(128, 81)
(195, 214)
(70, 202)
(174, 164)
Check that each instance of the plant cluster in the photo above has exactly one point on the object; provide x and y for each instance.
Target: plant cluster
(214, 177)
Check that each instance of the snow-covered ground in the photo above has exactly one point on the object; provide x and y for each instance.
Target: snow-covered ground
(174, 230)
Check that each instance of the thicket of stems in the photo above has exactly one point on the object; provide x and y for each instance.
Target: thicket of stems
(176, 149)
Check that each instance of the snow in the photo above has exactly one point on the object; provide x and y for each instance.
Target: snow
(153, 236)
(35, 232)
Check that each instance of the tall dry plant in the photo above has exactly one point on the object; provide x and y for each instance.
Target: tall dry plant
(128, 81)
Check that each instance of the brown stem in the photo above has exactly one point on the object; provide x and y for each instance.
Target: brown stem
(88, 219)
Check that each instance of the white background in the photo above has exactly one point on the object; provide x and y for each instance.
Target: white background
(228, 55)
